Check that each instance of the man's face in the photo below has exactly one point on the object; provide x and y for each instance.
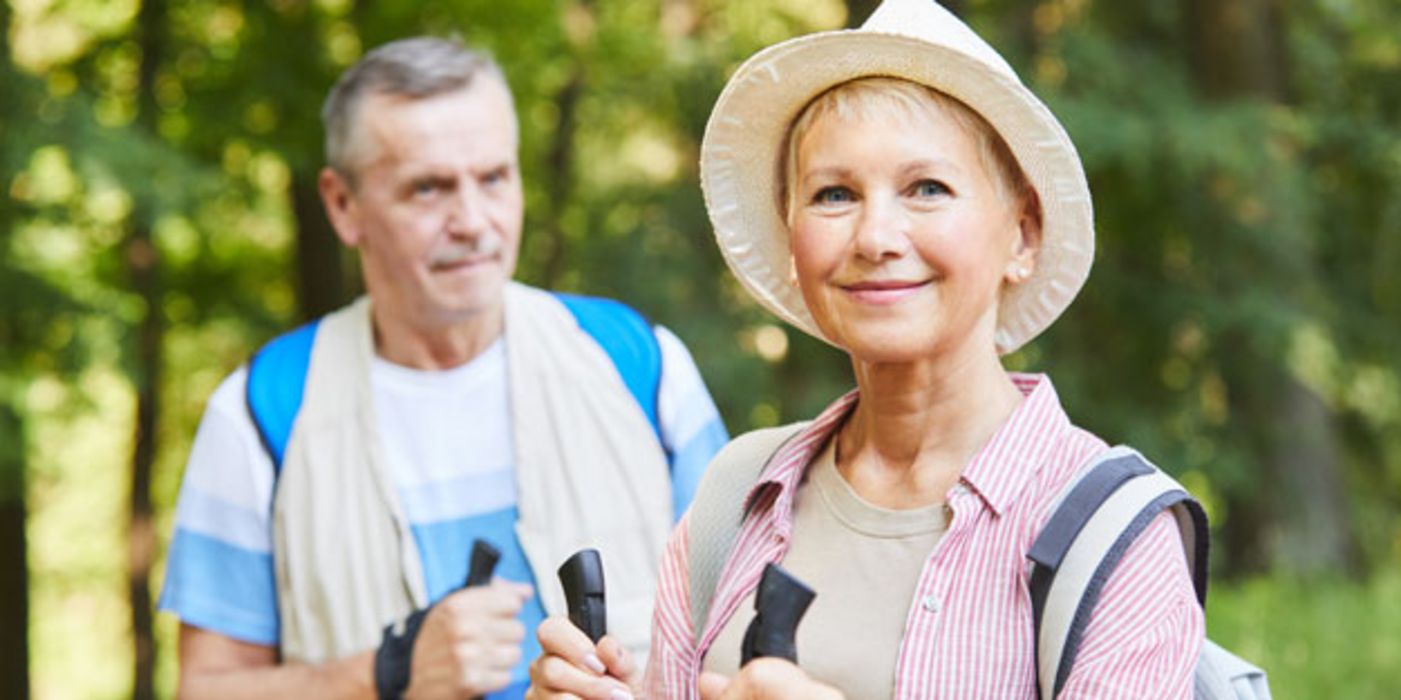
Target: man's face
(436, 208)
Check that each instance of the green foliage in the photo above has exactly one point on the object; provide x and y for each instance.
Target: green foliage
(1328, 638)
(1242, 244)
(1242, 241)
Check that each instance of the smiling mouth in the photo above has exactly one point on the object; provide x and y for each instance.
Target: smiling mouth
(882, 285)
(883, 292)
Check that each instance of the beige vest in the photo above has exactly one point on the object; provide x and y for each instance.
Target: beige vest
(589, 473)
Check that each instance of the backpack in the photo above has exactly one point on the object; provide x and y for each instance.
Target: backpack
(277, 372)
(1096, 518)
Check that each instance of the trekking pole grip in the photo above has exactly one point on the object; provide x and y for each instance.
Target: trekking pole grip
(779, 605)
(582, 578)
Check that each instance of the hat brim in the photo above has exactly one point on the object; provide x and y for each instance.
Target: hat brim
(740, 160)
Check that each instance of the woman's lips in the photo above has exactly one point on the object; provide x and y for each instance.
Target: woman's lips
(882, 293)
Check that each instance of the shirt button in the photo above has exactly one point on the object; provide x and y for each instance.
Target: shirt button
(930, 604)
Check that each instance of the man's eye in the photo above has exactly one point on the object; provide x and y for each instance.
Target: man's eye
(495, 177)
(929, 188)
(425, 188)
(833, 195)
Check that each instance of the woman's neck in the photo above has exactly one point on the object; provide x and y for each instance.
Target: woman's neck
(917, 424)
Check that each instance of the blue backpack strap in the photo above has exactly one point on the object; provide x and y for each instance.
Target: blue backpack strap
(276, 381)
(277, 373)
(626, 335)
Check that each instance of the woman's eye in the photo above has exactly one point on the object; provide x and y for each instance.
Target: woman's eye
(929, 188)
(833, 195)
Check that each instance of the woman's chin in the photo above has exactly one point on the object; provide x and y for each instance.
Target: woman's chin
(890, 346)
(905, 343)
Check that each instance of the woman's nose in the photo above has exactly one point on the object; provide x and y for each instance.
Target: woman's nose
(882, 231)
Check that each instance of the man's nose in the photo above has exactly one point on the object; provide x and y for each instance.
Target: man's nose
(468, 216)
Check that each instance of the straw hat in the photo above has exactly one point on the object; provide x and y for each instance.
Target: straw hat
(919, 41)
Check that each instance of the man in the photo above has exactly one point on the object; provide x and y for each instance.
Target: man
(338, 482)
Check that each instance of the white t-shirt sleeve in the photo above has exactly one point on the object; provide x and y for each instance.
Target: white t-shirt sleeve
(691, 427)
(219, 570)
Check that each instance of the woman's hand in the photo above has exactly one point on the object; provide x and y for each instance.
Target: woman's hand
(573, 667)
(766, 679)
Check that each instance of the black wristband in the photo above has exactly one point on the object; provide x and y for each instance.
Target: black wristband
(394, 658)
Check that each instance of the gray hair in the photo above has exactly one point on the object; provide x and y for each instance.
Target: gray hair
(417, 68)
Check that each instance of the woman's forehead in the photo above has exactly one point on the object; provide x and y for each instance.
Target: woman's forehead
(889, 98)
(919, 135)
(922, 117)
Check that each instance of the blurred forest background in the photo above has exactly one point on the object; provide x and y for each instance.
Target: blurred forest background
(1242, 324)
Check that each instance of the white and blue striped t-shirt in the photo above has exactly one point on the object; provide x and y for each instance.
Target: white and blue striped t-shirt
(447, 435)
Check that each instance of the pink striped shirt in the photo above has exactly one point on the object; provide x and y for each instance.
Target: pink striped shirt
(969, 631)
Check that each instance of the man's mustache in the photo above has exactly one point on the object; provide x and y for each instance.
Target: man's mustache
(458, 252)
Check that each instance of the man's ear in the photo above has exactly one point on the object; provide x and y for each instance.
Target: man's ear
(341, 208)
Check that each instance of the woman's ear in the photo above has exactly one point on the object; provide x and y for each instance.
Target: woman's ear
(1026, 245)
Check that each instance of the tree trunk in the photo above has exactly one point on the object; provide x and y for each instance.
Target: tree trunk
(321, 286)
(858, 10)
(14, 554)
(14, 578)
(1238, 48)
(143, 270)
(1313, 533)
(559, 161)
(1297, 518)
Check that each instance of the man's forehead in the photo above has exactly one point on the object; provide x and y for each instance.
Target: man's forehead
(480, 118)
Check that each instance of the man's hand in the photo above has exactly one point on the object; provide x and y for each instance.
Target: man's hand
(766, 679)
(572, 667)
(468, 643)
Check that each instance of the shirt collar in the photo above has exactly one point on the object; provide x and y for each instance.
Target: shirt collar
(996, 473)
(1001, 467)
(779, 480)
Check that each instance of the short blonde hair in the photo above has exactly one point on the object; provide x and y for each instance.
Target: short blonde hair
(865, 98)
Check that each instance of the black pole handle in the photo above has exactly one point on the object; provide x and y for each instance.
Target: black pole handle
(480, 567)
(779, 605)
(582, 578)
(483, 563)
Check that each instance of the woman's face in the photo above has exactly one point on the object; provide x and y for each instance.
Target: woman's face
(901, 237)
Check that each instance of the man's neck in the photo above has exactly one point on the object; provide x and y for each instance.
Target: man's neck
(434, 346)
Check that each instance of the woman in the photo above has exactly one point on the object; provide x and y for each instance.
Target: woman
(922, 211)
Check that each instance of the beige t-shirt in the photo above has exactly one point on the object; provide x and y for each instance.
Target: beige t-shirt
(864, 562)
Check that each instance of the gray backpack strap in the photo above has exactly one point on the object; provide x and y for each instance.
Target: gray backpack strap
(717, 511)
(1098, 517)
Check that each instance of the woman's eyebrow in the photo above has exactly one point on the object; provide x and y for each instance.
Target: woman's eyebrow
(939, 164)
(830, 172)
